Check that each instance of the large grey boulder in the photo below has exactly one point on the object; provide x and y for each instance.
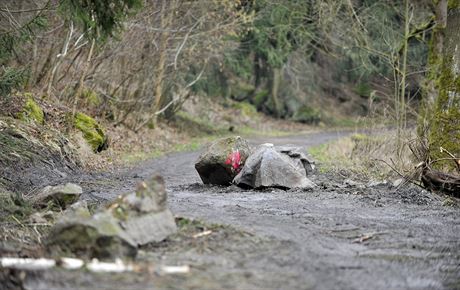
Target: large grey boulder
(298, 157)
(222, 160)
(131, 220)
(61, 195)
(271, 167)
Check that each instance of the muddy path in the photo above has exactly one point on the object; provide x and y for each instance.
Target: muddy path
(341, 235)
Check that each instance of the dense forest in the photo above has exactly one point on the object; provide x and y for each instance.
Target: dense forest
(96, 94)
(134, 62)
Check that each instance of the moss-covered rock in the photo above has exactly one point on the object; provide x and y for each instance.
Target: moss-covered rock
(61, 195)
(133, 220)
(31, 111)
(92, 132)
(99, 236)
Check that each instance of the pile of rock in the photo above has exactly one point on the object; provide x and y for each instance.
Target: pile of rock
(116, 231)
(231, 160)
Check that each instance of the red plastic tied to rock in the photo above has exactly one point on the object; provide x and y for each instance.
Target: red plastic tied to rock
(234, 159)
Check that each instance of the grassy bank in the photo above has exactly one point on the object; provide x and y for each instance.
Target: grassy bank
(372, 155)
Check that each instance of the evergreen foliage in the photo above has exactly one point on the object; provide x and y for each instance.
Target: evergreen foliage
(11, 78)
(279, 28)
(100, 18)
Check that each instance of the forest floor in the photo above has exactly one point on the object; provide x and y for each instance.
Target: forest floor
(344, 234)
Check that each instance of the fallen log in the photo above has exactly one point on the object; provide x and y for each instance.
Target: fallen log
(441, 182)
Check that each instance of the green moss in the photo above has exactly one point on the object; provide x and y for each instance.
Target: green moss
(441, 121)
(32, 111)
(453, 4)
(445, 127)
(92, 132)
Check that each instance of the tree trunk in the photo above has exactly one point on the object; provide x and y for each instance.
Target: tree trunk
(443, 96)
(165, 23)
(437, 43)
(79, 88)
(276, 79)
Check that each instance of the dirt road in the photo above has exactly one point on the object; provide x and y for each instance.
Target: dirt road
(341, 235)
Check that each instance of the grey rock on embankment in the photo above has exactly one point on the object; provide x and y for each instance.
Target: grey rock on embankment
(62, 195)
